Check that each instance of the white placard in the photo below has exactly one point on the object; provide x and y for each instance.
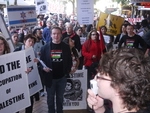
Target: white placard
(55, 7)
(76, 91)
(41, 6)
(22, 15)
(33, 77)
(14, 90)
(82, 40)
(85, 11)
(106, 38)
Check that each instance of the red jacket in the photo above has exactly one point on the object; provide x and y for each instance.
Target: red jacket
(89, 49)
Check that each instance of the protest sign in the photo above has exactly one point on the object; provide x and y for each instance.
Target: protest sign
(22, 15)
(55, 7)
(5, 33)
(33, 77)
(76, 91)
(106, 38)
(133, 21)
(41, 6)
(14, 90)
(85, 11)
(113, 23)
(82, 40)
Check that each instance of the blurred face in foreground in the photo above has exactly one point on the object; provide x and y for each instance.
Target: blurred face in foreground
(105, 90)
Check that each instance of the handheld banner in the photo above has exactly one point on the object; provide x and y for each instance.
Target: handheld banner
(76, 91)
(85, 11)
(14, 90)
(22, 15)
(55, 7)
(113, 23)
(33, 76)
(133, 21)
(41, 6)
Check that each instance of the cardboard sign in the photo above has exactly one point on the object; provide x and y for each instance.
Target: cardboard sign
(85, 11)
(113, 23)
(134, 20)
(14, 90)
(41, 6)
(76, 91)
(55, 7)
(33, 77)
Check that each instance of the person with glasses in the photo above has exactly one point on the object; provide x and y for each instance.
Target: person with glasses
(123, 78)
(91, 53)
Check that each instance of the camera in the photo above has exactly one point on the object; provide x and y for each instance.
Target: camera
(93, 85)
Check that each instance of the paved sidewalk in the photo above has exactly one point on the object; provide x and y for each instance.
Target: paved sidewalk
(41, 107)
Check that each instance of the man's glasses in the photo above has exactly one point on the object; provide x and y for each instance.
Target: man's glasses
(102, 78)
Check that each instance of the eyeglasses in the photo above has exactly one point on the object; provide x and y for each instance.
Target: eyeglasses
(102, 78)
(93, 34)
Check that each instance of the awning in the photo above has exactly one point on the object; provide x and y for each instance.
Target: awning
(139, 1)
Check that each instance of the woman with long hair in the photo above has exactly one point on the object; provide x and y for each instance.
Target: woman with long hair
(4, 46)
(92, 53)
(74, 53)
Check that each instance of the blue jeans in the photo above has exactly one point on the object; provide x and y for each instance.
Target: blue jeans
(58, 88)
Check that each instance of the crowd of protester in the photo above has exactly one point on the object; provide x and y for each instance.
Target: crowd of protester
(77, 46)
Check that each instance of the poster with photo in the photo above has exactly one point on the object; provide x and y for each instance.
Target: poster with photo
(41, 6)
(76, 91)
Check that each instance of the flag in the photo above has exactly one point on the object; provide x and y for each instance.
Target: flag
(102, 42)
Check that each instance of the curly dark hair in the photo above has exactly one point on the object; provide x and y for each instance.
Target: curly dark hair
(30, 36)
(130, 73)
(6, 45)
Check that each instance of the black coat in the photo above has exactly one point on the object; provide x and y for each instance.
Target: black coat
(46, 58)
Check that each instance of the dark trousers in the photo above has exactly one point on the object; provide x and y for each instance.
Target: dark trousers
(42, 78)
(91, 72)
(81, 59)
(89, 76)
(58, 89)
